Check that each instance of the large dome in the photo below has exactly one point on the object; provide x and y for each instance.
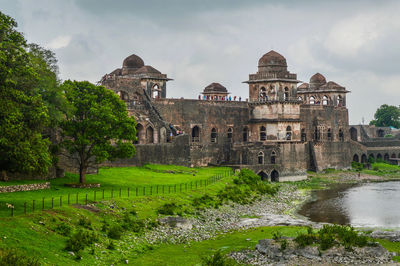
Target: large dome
(133, 61)
(272, 58)
(318, 79)
(215, 87)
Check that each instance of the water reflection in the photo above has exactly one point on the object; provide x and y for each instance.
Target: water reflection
(365, 205)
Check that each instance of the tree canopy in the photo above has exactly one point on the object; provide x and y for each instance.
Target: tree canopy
(387, 116)
(97, 127)
(23, 114)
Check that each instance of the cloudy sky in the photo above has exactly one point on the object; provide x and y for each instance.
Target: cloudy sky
(354, 43)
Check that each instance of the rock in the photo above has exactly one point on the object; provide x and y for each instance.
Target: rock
(71, 253)
(393, 236)
(177, 222)
(126, 261)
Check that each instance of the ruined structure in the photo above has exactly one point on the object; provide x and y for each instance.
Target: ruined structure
(280, 132)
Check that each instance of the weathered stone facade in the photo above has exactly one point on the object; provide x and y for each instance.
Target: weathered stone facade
(280, 132)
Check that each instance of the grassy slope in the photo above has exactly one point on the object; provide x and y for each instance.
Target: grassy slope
(110, 179)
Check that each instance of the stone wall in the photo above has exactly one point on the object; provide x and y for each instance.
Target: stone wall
(27, 187)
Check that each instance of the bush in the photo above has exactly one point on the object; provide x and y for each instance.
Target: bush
(115, 231)
(85, 222)
(218, 259)
(80, 240)
(10, 256)
(357, 166)
(133, 224)
(204, 201)
(63, 229)
(167, 209)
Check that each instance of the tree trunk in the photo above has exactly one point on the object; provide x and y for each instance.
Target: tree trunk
(82, 174)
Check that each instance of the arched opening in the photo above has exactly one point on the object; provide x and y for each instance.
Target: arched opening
(260, 157)
(386, 157)
(123, 95)
(230, 134)
(163, 135)
(317, 134)
(286, 94)
(353, 133)
(329, 135)
(263, 133)
(214, 135)
(263, 175)
(274, 176)
(156, 92)
(341, 135)
(195, 134)
(393, 155)
(312, 100)
(324, 100)
(379, 156)
(273, 157)
(140, 134)
(263, 94)
(381, 133)
(150, 134)
(364, 158)
(355, 158)
(371, 158)
(288, 133)
(300, 99)
(303, 135)
(245, 134)
(339, 101)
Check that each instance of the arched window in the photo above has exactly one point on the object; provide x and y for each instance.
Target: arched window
(393, 156)
(381, 133)
(300, 99)
(274, 176)
(156, 92)
(245, 134)
(339, 101)
(286, 94)
(303, 135)
(364, 158)
(263, 175)
(123, 95)
(230, 133)
(386, 157)
(324, 100)
(263, 133)
(273, 157)
(355, 158)
(317, 134)
(140, 134)
(379, 156)
(312, 100)
(263, 94)
(214, 135)
(329, 134)
(371, 158)
(353, 133)
(195, 134)
(260, 157)
(341, 135)
(288, 133)
(150, 135)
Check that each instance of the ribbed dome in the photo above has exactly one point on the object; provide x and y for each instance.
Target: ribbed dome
(215, 87)
(272, 58)
(133, 61)
(318, 79)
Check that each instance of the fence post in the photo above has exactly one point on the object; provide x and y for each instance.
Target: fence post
(120, 192)
(128, 192)
(169, 189)
(144, 191)
(86, 199)
(191, 185)
(151, 190)
(185, 186)
(42, 204)
(12, 212)
(68, 198)
(94, 198)
(25, 208)
(60, 201)
(175, 188)
(163, 186)
(33, 205)
(136, 191)
(112, 193)
(103, 193)
(52, 202)
(180, 187)
(157, 189)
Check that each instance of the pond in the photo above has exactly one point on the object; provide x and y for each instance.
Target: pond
(361, 205)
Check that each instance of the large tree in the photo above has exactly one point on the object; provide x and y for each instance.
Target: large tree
(97, 128)
(23, 115)
(386, 116)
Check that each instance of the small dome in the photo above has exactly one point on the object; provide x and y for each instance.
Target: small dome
(116, 72)
(147, 70)
(272, 58)
(215, 87)
(303, 86)
(318, 79)
(133, 61)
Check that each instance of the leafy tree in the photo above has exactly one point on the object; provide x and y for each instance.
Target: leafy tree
(23, 114)
(386, 116)
(97, 128)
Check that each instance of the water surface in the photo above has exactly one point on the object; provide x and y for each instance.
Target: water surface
(362, 205)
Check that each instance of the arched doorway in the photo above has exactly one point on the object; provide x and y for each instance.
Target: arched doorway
(263, 175)
(260, 157)
(150, 135)
(393, 156)
(274, 176)
(356, 158)
(371, 158)
(381, 133)
(213, 135)
(353, 134)
(140, 134)
(379, 156)
(163, 135)
(386, 157)
(364, 158)
(195, 134)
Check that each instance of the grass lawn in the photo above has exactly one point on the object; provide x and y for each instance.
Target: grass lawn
(192, 253)
(147, 179)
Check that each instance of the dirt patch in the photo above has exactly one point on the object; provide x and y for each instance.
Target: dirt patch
(89, 207)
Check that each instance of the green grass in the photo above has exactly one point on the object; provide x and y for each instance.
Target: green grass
(191, 254)
(314, 182)
(145, 179)
(391, 247)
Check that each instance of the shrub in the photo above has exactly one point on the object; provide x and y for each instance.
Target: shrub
(10, 256)
(111, 245)
(80, 240)
(218, 259)
(63, 229)
(305, 240)
(167, 209)
(357, 166)
(115, 231)
(204, 201)
(133, 224)
(85, 222)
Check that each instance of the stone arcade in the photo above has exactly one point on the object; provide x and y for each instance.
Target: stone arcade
(280, 131)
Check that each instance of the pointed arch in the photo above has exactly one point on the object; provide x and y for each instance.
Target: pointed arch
(274, 176)
(195, 134)
(260, 157)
